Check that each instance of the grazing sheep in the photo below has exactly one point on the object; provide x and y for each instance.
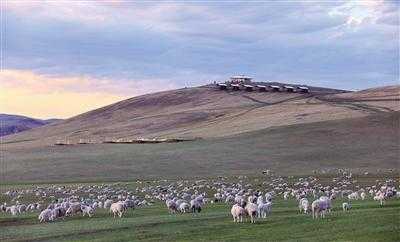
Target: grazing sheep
(251, 210)
(129, 203)
(353, 196)
(195, 206)
(327, 201)
(363, 195)
(184, 207)
(268, 197)
(346, 206)
(13, 210)
(73, 208)
(286, 195)
(171, 205)
(251, 199)
(237, 213)
(117, 209)
(87, 210)
(304, 205)
(319, 207)
(57, 212)
(380, 196)
(263, 209)
(107, 203)
(239, 199)
(21, 208)
(260, 200)
(45, 215)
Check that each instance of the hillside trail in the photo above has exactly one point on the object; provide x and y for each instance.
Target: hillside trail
(352, 104)
(356, 104)
(258, 104)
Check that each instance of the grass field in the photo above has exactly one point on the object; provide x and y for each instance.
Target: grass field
(367, 221)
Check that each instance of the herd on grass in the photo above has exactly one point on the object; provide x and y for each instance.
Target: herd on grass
(251, 199)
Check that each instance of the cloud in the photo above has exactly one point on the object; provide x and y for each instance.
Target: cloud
(38, 95)
(139, 47)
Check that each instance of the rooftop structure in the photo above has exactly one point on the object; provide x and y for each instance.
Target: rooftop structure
(222, 86)
(235, 87)
(248, 87)
(303, 89)
(262, 88)
(289, 88)
(240, 79)
(275, 88)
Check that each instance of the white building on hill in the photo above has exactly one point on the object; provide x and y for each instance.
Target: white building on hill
(240, 79)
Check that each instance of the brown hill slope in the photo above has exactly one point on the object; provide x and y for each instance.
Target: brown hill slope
(207, 112)
(362, 144)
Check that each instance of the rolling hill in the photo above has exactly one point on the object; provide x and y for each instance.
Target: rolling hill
(11, 124)
(207, 112)
(241, 132)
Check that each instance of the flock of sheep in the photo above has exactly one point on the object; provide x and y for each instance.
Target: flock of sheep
(251, 199)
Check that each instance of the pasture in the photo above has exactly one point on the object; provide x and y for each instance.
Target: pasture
(366, 221)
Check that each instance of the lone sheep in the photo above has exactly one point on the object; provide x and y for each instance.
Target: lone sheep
(117, 209)
(237, 213)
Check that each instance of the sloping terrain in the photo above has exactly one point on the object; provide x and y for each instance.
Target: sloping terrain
(363, 144)
(208, 112)
(242, 133)
(11, 124)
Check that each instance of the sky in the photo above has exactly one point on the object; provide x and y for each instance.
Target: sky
(60, 59)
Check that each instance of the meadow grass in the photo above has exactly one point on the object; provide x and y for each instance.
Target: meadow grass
(367, 221)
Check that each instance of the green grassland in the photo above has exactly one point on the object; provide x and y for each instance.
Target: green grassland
(367, 221)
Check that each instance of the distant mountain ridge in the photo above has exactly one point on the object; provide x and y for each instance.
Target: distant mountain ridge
(11, 124)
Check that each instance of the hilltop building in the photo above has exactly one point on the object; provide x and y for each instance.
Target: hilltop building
(240, 79)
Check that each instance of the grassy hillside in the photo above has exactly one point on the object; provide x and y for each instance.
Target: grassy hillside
(11, 124)
(367, 143)
(207, 112)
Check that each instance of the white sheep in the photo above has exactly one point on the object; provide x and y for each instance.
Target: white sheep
(13, 210)
(117, 209)
(237, 213)
(251, 210)
(45, 215)
(107, 203)
(171, 205)
(304, 205)
(346, 206)
(74, 208)
(319, 207)
(21, 208)
(195, 206)
(363, 195)
(353, 196)
(268, 197)
(286, 195)
(87, 210)
(380, 196)
(184, 207)
(57, 212)
(328, 202)
(263, 209)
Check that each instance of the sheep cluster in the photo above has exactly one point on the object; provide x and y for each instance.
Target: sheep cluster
(19, 208)
(254, 207)
(250, 198)
(65, 201)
